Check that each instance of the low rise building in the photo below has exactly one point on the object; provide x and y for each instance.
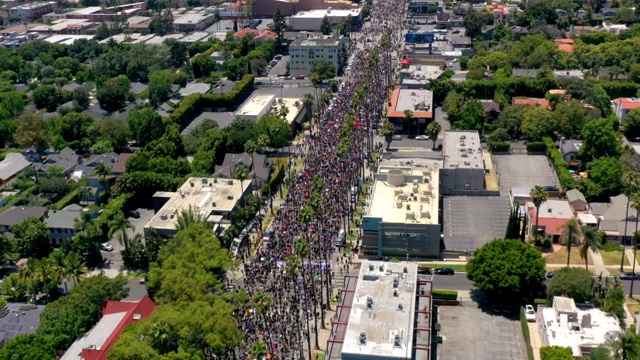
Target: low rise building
(418, 76)
(257, 106)
(532, 102)
(100, 14)
(19, 319)
(524, 73)
(622, 106)
(312, 19)
(33, 11)
(192, 22)
(565, 45)
(615, 220)
(570, 149)
(304, 52)
(402, 216)
(581, 329)
(614, 28)
(62, 223)
(577, 200)
(66, 160)
(116, 315)
(212, 199)
(17, 214)
(418, 101)
(11, 166)
(554, 215)
(258, 172)
(463, 171)
(194, 88)
(65, 26)
(568, 74)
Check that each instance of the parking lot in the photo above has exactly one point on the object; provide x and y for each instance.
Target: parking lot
(472, 333)
(138, 223)
(472, 221)
(523, 171)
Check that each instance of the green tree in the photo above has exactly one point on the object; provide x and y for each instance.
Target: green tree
(46, 97)
(507, 269)
(145, 125)
(590, 241)
(570, 234)
(322, 70)
(258, 350)
(570, 117)
(162, 23)
(114, 94)
(74, 130)
(599, 140)
(325, 26)
(101, 147)
(241, 173)
(432, 131)
(556, 353)
(118, 227)
(31, 238)
(626, 346)
(453, 106)
(81, 100)
(471, 117)
(606, 173)
(472, 23)
(177, 51)
(114, 130)
(631, 125)
(32, 131)
(27, 347)
(188, 217)
(279, 24)
(261, 301)
(387, 130)
(572, 282)
(160, 84)
(409, 120)
(277, 129)
(538, 122)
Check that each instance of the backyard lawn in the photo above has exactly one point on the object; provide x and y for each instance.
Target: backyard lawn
(560, 256)
(613, 257)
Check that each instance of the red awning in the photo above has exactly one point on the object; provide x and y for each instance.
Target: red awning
(405, 62)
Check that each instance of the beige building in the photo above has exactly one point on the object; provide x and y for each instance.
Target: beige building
(33, 11)
(192, 22)
(304, 52)
(212, 199)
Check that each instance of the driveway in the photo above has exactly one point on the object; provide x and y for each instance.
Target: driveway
(115, 256)
(280, 68)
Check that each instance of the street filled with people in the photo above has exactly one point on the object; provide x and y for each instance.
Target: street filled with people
(290, 278)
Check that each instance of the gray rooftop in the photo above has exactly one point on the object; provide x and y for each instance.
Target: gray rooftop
(461, 149)
(381, 324)
(231, 161)
(96, 337)
(195, 88)
(65, 159)
(524, 73)
(12, 164)
(223, 119)
(65, 218)
(575, 195)
(570, 146)
(20, 319)
(138, 88)
(17, 214)
(613, 218)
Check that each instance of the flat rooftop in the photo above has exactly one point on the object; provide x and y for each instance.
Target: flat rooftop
(314, 14)
(207, 196)
(420, 103)
(256, 105)
(96, 337)
(191, 18)
(554, 209)
(461, 149)
(405, 195)
(380, 323)
(294, 106)
(316, 42)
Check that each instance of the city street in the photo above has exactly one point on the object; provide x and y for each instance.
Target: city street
(458, 281)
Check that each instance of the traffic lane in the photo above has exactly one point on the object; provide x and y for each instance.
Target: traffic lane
(457, 281)
(627, 286)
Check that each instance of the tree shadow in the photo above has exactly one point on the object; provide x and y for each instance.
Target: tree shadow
(506, 309)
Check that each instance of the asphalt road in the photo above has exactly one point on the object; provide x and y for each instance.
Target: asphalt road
(458, 281)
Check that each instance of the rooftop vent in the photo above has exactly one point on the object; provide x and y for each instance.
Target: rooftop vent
(205, 181)
(405, 270)
(395, 283)
(400, 307)
(395, 293)
(229, 197)
(362, 338)
(369, 302)
(381, 267)
(229, 182)
(372, 267)
(396, 341)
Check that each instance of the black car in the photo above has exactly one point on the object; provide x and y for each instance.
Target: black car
(445, 271)
(551, 188)
(628, 276)
(134, 214)
(424, 271)
(550, 274)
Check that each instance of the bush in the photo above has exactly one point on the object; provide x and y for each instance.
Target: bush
(555, 353)
(445, 294)
(609, 246)
(562, 168)
(546, 243)
(575, 283)
(276, 180)
(499, 147)
(537, 302)
(525, 332)
(537, 146)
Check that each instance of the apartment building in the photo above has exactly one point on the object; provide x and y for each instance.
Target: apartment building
(33, 11)
(192, 22)
(304, 52)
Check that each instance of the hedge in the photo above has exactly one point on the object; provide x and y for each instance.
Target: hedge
(12, 200)
(538, 302)
(526, 334)
(276, 180)
(445, 294)
(195, 102)
(537, 146)
(499, 147)
(561, 166)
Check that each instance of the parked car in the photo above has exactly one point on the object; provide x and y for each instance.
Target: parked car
(550, 274)
(628, 276)
(445, 271)
(340, 238)
(550, 188)
(299, 77)
(134, 214)
(106, 247)
(422, 137)
(529, 313)
(397, 137)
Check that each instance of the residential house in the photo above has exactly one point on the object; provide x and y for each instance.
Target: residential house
(231, 162)
(164, 110)
(18, 318)
(532, 102)
(66, 159)
(120, 166)
(62, 223)
(194, 88)
(491, 110)
(614, 28)
(265, 35)
(116, 316)
(568, 74)
(501, 13)
(616, 220)
(460, 42)
(577, 200)
(518, 31)
(608, 13)
(554, 214)
(89, 167)
(570, 149)
(17, 214)
(581, 30)
(524, 73)
(245, 32)
(565, 45)
(138, 88)
(11, 166)
(622, 107)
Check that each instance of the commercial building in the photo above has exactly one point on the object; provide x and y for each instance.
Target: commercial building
(257, 106)
(554, 214)
(418, 101)
(305, 51)
(417, 76)
(213, 199)
(464, 171)
(401, 219)
(192, 22)
(116, 315)
(385, 315)
(311, 20)
(65, 26)
(99, 14)
(622, 106)
(581, 329)
(33, 11)
(266, 8)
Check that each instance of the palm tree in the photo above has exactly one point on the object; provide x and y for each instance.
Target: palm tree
(432, 131)
(307, 102)
(102, 171)
(28, 277)
(630, 184)
(538, 196)
(83, 221)
(241, 173)
(262, 301)
(591, 241)
(251, 147)
(292, 269)
(188, 217)
(161, 336)
(570, 234)
(119, 225)
(263, 142)
(44, 273)
(626, 346)
(61, 272)
(409, 119)
(258, 350)
(74, 267)
(387, 130)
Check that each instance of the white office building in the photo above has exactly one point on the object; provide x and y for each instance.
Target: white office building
(312, 19)
(304, 52)
(33, 11)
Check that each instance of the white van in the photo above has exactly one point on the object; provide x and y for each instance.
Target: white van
(340, 238)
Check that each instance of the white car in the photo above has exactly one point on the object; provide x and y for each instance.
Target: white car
(422, 137)
(106, 247)
(529, 313)
(397, 137)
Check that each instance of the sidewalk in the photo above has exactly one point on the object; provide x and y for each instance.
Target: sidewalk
(598, 263)
(629, 253)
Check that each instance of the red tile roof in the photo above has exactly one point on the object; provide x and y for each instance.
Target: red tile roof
(135, 311)
(532, 102)
(266, 34)
(240, 34)
(565, 45)
(627, 103)
(552, 226)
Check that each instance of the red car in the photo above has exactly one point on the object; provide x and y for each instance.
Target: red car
(300, 77)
